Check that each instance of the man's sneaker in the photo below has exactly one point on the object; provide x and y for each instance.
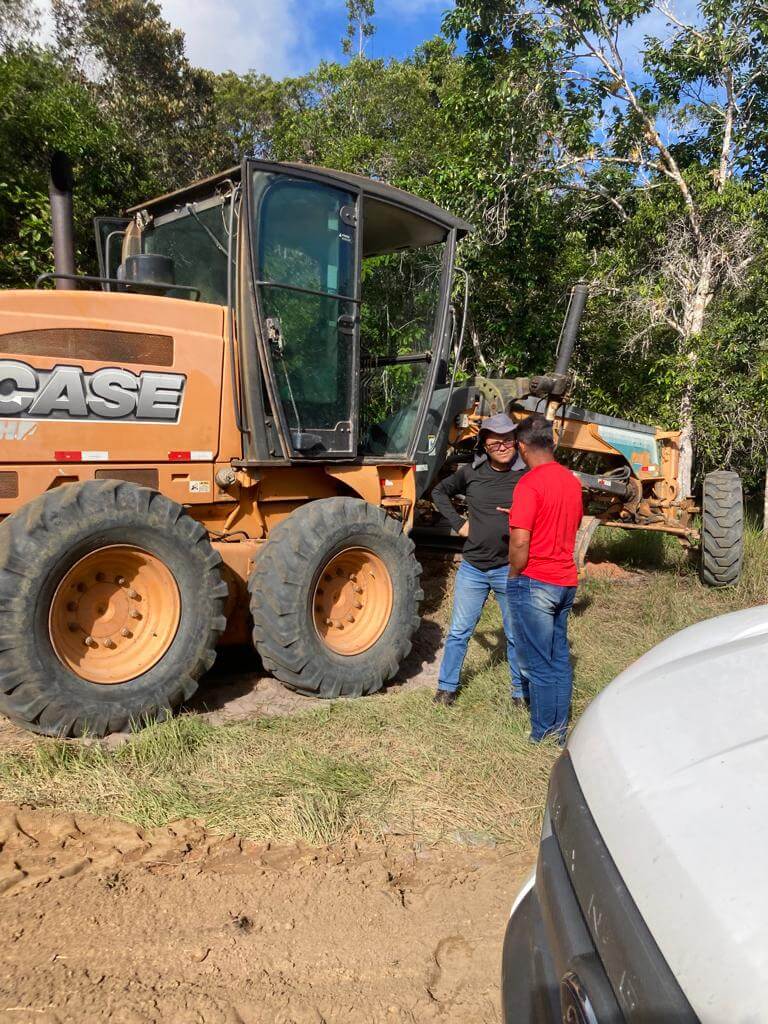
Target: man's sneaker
(445, 697)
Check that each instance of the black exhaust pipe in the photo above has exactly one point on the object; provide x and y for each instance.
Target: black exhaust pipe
(61, 182)
(571, 327)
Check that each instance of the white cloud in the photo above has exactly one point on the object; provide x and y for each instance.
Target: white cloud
(267, 36)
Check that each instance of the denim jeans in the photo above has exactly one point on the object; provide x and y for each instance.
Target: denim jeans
(470, 594)
(540, 627)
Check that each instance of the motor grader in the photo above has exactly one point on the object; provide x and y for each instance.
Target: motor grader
(225, 435)
(628, 470)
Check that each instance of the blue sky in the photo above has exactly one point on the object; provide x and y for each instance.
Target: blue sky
(286, 37)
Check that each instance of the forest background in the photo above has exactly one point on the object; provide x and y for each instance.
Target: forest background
(613, 141)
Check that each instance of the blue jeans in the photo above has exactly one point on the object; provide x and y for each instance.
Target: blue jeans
(540, 625)
(471, 592)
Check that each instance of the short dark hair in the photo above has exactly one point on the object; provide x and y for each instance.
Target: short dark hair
(536, 432)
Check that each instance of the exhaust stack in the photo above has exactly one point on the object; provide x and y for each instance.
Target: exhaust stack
(571, 326)
(60, 185)
(559, 382)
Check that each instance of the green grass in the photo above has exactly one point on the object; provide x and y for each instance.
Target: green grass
(392, 765)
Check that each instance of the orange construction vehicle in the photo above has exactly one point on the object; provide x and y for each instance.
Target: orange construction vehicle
(226, 433)
(222, 427)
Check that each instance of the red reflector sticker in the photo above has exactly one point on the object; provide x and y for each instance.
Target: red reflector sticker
(81, 456)
(191, 456)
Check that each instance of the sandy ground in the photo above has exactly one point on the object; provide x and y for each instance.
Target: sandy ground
(103, 922)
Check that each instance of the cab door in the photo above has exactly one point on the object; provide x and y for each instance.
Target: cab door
(304, 235)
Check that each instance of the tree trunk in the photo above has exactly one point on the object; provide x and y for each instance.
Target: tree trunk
(699, 298)
(765, 501)
(685, 467)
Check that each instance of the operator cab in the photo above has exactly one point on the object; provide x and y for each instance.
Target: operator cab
(340, 286)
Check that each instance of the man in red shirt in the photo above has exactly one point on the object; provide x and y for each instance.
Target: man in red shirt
(543, 521)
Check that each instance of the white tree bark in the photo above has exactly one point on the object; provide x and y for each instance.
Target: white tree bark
(685, 466)
(694, 311)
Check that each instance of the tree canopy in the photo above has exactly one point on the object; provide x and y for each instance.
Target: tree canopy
(607, 140)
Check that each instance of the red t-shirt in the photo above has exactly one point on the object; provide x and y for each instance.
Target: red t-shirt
(547, 502)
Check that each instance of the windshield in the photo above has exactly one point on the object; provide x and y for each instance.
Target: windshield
(400, 305)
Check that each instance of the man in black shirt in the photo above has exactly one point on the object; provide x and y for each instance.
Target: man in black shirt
(487, 484)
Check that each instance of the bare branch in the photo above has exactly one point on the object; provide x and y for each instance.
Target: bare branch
(665, 9)
(615, 69)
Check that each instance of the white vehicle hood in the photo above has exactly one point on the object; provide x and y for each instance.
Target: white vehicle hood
(673, 761)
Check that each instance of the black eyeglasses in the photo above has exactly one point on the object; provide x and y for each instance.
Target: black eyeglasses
(498, 446)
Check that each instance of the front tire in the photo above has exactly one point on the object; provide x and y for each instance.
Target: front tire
(334, 598)
(111, 602)
(722, 529)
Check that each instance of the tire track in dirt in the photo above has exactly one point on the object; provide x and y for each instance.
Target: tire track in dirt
(101, 921)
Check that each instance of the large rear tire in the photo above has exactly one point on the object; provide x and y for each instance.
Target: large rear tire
(334, 598)
(111, 602)
(722, 529)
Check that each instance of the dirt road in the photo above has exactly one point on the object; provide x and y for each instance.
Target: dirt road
(102, 922)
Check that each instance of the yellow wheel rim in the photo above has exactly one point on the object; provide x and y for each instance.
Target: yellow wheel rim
(114, 614)
(352, 602)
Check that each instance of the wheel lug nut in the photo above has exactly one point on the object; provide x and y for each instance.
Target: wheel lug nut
(99, 577)
(73, 627)
(110, 644)
(358, 590)
(353, 577)
(80, 588)
(133, 593)
(350, 618)
(125, 632)
(134, 614)
(358, 605)
(120, 581)
(71, 606)
(90, 642)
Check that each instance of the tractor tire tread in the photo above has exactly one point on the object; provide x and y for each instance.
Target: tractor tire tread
(722, 529)
(43, 531)
(279, 586)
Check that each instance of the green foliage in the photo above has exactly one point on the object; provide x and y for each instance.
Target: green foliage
(162, 104)
(662, 152)
(503, 135)
(45, 109)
